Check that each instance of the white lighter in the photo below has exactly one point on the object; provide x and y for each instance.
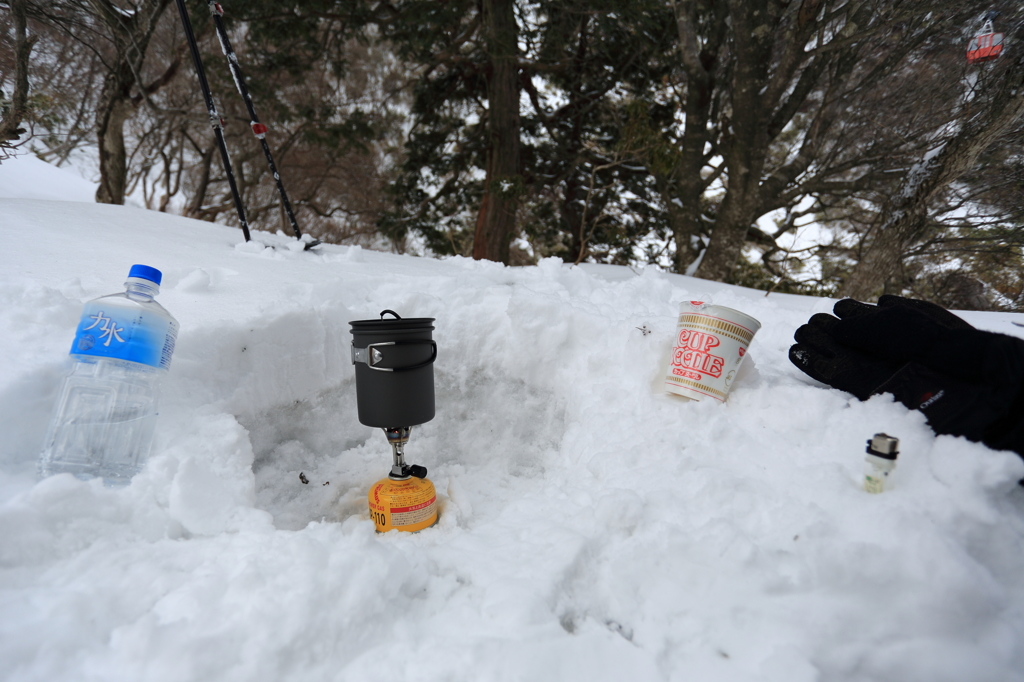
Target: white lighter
(881, 461)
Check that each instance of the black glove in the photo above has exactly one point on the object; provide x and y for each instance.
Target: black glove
(966, 382)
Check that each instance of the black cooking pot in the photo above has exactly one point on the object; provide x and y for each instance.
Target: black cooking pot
(394, 361)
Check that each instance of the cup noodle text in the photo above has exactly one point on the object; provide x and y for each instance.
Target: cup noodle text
(710, 346)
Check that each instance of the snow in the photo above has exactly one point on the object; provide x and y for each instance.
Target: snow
(592, 527)
(917, 175)
(27, 177)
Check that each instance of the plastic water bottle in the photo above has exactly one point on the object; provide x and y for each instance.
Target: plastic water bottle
(107, 409)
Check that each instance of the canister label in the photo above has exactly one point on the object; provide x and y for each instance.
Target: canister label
(132, 335)
(407, 505)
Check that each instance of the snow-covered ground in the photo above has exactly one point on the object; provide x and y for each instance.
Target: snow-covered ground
(592, 527)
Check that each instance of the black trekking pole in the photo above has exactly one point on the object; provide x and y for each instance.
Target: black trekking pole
(215, 119)
(258, 129)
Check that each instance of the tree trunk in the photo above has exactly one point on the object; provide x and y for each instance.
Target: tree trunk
(114, 110)
(904, 218)
(10, 125)
(745, 159)
(571, 218)
(130, 36)
(746, 141)
(685, 216)
(682, 199)
(574, 192)
(496, 221)
(682, 186)
(731, 227)
(195, 208)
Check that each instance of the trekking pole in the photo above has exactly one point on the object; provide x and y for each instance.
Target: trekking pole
(215, 119)
(258, 129)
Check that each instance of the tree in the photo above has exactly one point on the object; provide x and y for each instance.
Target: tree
(465, 58)
(473, 150)
(14, 113)
(119, 34)
(332, 99)
(668, 131)
(752, 122)
(904, 221)
(324, 97)
(496, 221)
(588, 196)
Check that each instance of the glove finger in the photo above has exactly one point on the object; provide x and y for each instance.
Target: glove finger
(812, 363)
(839, 367)
(815, 337)
(901, 334)
(824, 322)
(848, 308)
(935, 313)
(896, 333)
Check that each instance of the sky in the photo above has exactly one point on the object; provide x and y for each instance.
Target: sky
(592, 527)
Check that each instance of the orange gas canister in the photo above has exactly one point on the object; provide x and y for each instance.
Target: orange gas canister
(406, 505)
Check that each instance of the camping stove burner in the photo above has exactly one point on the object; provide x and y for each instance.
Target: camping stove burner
(398, 437)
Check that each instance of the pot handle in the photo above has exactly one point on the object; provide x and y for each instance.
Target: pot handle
(385, 312)
(372, 356)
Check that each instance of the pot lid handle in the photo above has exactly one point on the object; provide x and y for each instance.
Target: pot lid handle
(385, 312)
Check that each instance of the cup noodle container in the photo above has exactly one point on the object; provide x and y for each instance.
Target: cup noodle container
(710, 345)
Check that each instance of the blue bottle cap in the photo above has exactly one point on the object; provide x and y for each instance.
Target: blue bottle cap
(146, 272)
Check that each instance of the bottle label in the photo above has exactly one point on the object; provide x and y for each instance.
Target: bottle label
(135, 336)
(874, 484)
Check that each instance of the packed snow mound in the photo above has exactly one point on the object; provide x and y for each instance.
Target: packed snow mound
(27, 177)
(591, 526)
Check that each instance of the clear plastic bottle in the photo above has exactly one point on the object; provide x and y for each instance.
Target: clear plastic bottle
(107, 409)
